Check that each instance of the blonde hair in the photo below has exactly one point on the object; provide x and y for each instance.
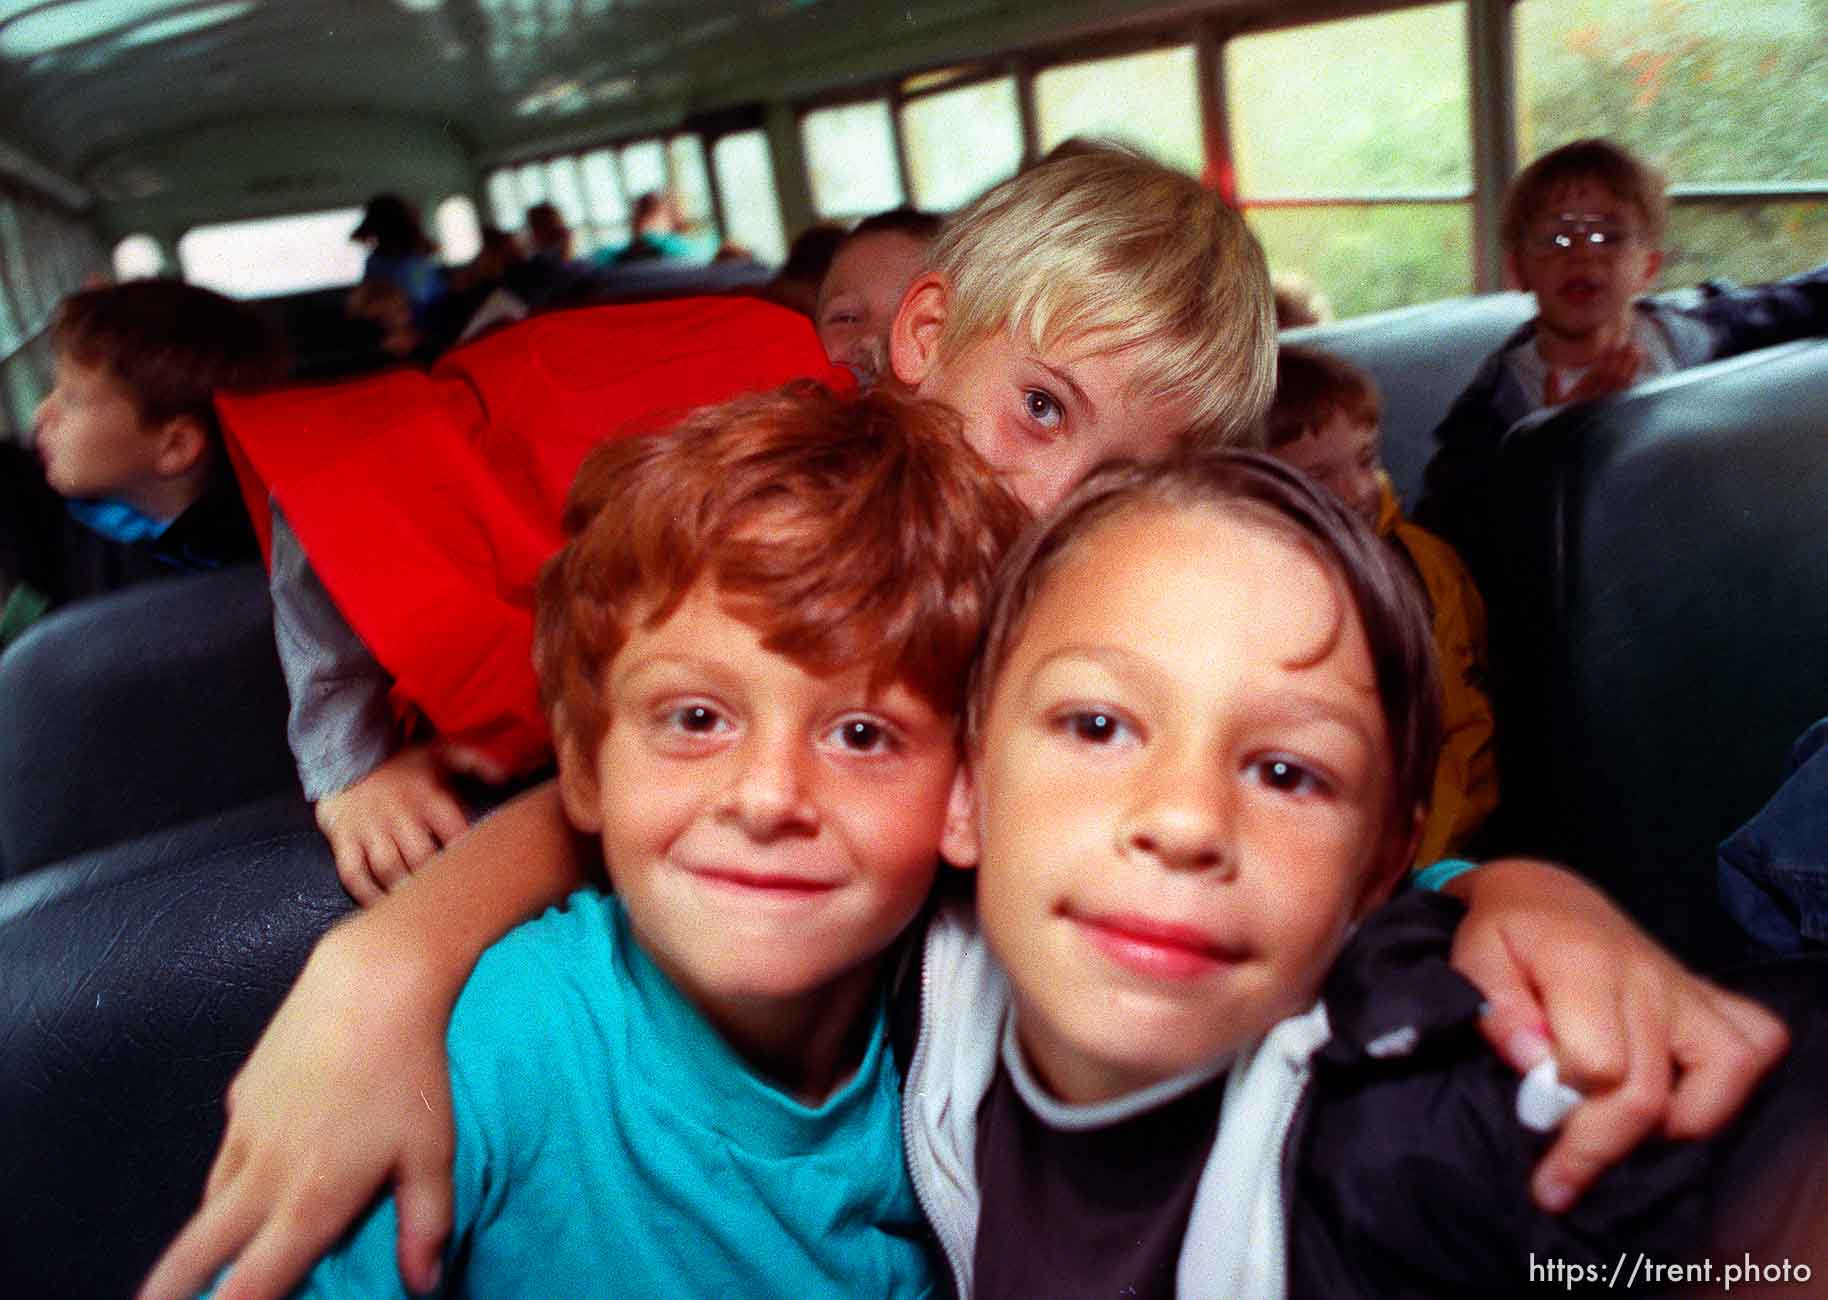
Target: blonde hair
(1105, 240)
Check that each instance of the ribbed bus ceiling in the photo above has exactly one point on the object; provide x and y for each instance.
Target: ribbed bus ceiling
(88, 86)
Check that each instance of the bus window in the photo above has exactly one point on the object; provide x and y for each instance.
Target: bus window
(745, 188)
(1352, 143)
(504, 200)
(603, 197)
(44, 253)
(961, 142)
(686, 160)
(1731, 102)
(1150, 101)
(138, 257)
(15, 268)
(457, 229)
(566, 191)
(643, 168)
(275, 255)
(850, 160)
(530, 180)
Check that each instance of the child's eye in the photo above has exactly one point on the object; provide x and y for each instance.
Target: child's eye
(1039, 405)
(696, 719)
(862, 736)
(1289, 777)
(1096, 726)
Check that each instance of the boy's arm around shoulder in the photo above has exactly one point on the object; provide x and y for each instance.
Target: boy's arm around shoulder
(1411, 1174)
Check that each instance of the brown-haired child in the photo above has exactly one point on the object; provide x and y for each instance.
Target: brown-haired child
(1180, 1048)
(1325, 421)
(1583, 231)
(128, 434)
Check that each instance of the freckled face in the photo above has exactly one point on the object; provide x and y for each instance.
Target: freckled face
(1181, 785)
(770, 830)
(1046, 420)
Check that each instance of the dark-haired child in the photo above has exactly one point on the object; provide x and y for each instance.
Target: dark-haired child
(863, 286)
(1179, 1051)
(1325, 421)
(1582, 230)
(129, 436)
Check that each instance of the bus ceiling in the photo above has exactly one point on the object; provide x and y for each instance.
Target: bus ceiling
(167, 112)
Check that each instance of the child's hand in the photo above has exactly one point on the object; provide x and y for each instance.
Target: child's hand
(390, 822)
(1654, 1047)
(346, 1091)
(1614, 372)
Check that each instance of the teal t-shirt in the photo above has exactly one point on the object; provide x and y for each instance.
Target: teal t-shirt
(609, 1143)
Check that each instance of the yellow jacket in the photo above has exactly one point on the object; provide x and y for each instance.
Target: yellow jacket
(1466, 781)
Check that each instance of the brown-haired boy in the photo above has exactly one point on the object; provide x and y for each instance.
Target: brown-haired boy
(754, 650)
(128, 434)
(1179, 1048)
(1583, 231)
(1325, 421)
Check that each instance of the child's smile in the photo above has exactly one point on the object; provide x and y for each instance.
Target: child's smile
(771, 830)
(1183, 785)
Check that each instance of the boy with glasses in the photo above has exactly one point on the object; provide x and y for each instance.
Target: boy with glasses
(1583, 231)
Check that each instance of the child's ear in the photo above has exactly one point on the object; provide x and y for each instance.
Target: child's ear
(914, 337)
(958, 843)
(1653, 262)
(182, 444)
(579, 789)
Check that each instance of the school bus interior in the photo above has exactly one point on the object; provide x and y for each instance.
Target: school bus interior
(160, 885)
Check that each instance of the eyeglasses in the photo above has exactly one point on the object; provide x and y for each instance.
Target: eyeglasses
(1572, 230)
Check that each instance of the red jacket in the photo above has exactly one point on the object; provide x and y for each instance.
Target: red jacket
(428, 502)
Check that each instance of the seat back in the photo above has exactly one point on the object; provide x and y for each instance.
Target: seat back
(1663, 629)
(139, 710)
(137, 978)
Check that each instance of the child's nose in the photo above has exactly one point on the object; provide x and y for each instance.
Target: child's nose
(1184, 815)
(770, 795)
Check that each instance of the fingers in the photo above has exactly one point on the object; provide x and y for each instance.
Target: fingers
(1512, 1022)
(1724, 1044)
(280, 1254)
(423, 1198)
(1606, 1127)
(410, 838)
(211, 1238)
(445, 818)
(1582, 1002)
(352, 870)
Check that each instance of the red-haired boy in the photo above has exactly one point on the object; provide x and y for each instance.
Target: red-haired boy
(753, 649)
